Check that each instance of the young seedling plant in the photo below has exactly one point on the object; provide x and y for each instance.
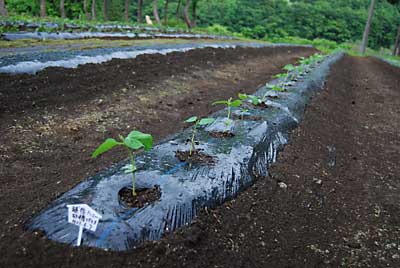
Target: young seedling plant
(197, 123)
(229, 103)
(243, 111)
(253, 99)
(276, 88)
(289, 68)
(284, 77)
(134, 142)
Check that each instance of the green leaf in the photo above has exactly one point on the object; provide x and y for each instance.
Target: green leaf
(242, 96)
(289, 67)
(107, 145)
(236, 103)
(206, 121)
(220, 102)
(275, 88)
(145, 139)
(133, 143)
(281, 75)
(268, 85)
(191, 119)
(255, 100)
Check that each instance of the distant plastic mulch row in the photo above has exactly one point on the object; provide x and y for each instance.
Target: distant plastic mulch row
(32, 63)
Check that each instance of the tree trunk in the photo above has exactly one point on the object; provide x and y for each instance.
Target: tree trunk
(43, 8)
(178, 10)
(166, 13)
(396, 50)
(85, 9)
(3, 9)
(194, 7)
(105, 10)
(62, 9)
(367, 28)
(127, 10)
(155, 11)
(94, 10)
(140, 11)
(186, 14)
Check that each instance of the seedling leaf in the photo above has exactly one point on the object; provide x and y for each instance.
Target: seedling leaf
(220, 102)
(242, 96)
(133, 143)
(206, 121)
(275, 88)
(255, 100)
(288, 67)
(107, 145)
(191, 119)
(283, 75)
(145, 139)
(236, 103)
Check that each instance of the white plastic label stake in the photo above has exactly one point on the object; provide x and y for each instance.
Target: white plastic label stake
(83, 216)
(78, 243)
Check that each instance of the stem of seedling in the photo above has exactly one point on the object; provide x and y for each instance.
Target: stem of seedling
(229, 111)
(192, 141)
(133, 171)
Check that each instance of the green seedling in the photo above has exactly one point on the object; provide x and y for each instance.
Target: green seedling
(305, 61)
(300, 69)
(243, 111)
(289, 68)
(278, 89)
(253, 99)
(197, 123)
(134, 142)
(229, 103)
(275, 88)
(282, 75)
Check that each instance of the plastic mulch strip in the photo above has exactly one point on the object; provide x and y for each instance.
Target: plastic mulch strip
(186, 189)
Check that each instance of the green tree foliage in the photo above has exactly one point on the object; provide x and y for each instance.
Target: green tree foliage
(339, 20)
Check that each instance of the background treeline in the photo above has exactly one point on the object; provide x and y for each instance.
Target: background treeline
(339, 20)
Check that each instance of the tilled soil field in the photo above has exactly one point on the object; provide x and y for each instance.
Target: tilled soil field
(51, 122)
(341, 167)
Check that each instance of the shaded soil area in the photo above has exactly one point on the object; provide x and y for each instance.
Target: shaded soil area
(50, 124)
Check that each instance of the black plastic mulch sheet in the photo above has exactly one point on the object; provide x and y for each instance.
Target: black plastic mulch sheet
(185, 189)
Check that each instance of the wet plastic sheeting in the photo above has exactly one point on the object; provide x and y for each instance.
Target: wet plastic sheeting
(185, 188)
(390, 61)
(33, 62)
(83, 35)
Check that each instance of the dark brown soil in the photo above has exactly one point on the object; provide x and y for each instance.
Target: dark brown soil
(142, 197)
(221, 134)
(196, 157)
(50, 124)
